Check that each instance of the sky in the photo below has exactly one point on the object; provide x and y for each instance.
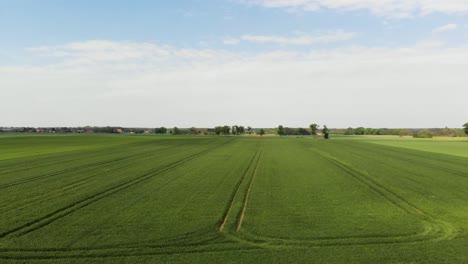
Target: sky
(259, 63)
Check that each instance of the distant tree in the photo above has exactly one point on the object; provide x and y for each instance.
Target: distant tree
(160, 130)
(403, 132)
(400, 132)
(236, 130)
(359, 131)
(280, 130)
(249, 130)
(423, 134)
(240, 130)
(313, 129)
(302, 131)
(325, 132)
(369, 131)
(379, 131)
(349, 131)
(175, 131)
(226, 130)
(291, 131)
(194, 131)
(466, 128)
(261, 132)
(218, 130)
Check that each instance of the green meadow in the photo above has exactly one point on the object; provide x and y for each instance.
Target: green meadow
(457, 146)
(245, 199)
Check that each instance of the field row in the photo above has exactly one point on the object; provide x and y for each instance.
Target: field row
(157, 196)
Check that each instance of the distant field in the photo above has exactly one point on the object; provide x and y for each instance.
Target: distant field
(158, 199)
(445, 145)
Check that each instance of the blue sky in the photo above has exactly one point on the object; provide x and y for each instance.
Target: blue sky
(144, 43)
(202, 23)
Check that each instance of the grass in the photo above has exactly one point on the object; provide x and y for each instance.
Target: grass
(445, 145)
(127, 199)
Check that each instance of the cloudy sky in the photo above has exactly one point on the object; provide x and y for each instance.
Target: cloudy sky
(393, 63)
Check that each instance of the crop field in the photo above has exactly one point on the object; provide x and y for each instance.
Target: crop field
(160, 199)
(445, 145)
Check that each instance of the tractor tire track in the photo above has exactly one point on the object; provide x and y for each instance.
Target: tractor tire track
(246, 198)
(392, 197)
(79, 167)
(234, 194)
(35, 162)
(64, 211)
(433, 229)
(70, 186)
(393, 153)
(144, 251)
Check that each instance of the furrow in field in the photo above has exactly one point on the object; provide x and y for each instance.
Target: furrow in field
(442, 229)
(64, 211)
(79, 167)
(390, 196)
(51, 159)
(195, 239)
(130, 252)
(434, 229)
(236, 191)
(393, 152)
(246, 199)
(80, 183)
(54, 160)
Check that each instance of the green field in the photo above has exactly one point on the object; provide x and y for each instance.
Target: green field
(444, 145)
(160, 199)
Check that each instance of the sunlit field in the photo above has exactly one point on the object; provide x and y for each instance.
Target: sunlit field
(117, 198)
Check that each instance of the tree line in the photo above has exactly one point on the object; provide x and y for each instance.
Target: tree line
(218, 130)
(415, 132)
(312, 130)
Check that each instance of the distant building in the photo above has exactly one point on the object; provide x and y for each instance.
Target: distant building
(119, 130)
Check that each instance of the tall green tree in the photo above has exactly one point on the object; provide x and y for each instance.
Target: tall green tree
(161, 130)
(261, 132)
(313, 129)
(466, 128)
(302, 131)
(325, 132)
(360, 131)
(249, 130)
(218, 130)
(226, 130)
(175, 131)
(280, 130)
(234, 130)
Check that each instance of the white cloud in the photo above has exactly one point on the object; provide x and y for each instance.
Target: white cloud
(145, 84)
(297, 39)
(231, 41)
(445, 28)
(331, 37)
(387, 8)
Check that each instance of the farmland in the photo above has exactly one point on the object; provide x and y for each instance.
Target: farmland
(117, 198)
